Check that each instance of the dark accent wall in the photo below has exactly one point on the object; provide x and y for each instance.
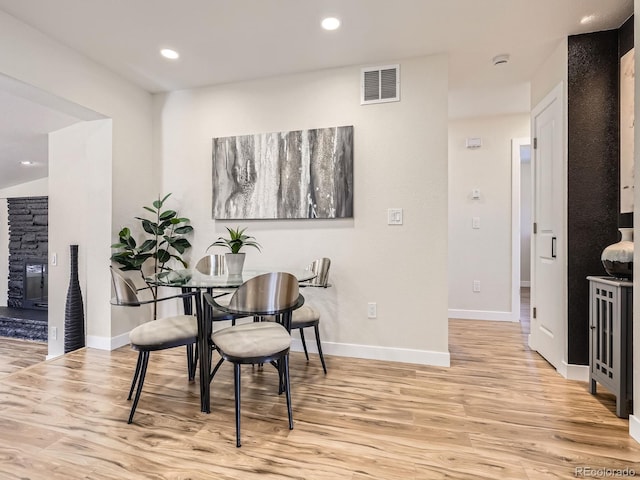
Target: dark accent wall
(28, 239)
(593, 170)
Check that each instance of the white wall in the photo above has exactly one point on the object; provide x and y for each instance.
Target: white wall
(553, 71)
(634, 420)
(400, 161)
(483, 254)
(31, 57)
(36, 188)
(79, 176)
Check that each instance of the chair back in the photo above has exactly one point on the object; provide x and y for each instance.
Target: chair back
(321, 268)
(126, 291)
(267, 294)
(212, 265)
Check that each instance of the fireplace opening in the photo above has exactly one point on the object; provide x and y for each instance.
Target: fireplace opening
(35, 284)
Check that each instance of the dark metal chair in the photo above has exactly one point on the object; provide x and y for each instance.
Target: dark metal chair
(307, 316)
(258, 342)
(154, 335)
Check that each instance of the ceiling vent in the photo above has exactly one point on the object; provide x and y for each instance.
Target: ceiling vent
(380, 84)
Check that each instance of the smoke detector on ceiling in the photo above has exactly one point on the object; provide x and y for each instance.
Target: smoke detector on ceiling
(501, 59)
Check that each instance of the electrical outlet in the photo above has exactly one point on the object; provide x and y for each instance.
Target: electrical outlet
(54, 333)
(372, 310)
(476, 285)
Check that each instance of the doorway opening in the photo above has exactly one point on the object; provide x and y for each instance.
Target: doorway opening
(522, 188)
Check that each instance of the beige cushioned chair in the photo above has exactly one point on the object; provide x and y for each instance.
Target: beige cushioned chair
(154, 335)
(258, 342)
(212, 265)
(307, 316)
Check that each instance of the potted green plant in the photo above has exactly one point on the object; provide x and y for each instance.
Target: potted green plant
(235, 242)
(166, 242)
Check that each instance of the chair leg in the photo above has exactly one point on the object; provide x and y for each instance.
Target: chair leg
(280, 367)
(317, 330)
(236, 372)
(287, 388)
(215, 370)
(143, 372)
(190, 368)
(194, 365)
(304, 344)
(135, 375)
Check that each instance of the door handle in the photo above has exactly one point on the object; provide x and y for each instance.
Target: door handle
(553, 247)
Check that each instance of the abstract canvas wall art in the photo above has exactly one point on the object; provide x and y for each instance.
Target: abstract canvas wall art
(627, 123)
(285, 175)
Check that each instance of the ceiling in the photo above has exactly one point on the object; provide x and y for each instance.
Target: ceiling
(223, 41)
(24, 139)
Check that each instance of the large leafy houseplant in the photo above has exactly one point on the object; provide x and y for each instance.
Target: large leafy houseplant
(166, 241)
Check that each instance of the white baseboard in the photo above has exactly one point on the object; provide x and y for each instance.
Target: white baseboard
(484, 315)
(51, 357)
(570, 371)
(421, 357)
(574, 372)
(106, 343)
(525, 283)
(634, 427)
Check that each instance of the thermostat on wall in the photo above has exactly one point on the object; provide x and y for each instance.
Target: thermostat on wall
(475, 142)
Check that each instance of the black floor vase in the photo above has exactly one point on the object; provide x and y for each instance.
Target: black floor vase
(74, 309)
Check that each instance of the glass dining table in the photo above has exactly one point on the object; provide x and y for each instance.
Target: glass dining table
(192, 280)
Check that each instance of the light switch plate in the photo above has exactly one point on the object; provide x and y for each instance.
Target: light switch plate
(475, 222)
(394, 216)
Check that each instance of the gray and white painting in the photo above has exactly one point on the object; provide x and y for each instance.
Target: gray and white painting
(627, 124)
(296, 174)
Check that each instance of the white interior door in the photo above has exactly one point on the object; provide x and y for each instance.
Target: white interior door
(548, 288)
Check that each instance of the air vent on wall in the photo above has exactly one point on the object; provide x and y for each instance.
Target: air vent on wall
(380, 84)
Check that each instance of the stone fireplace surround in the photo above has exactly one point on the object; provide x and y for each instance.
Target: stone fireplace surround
(28, 240)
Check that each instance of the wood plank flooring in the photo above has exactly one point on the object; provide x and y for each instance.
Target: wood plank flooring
(17, 354)
(499, 412)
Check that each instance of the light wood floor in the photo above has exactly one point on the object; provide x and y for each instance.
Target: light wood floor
(18, 354)
(499, 412)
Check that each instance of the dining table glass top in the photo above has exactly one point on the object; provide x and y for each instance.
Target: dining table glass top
(192, 278)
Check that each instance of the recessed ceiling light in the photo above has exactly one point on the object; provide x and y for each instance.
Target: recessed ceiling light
(330, 23)
(587, 19)
(170, 54)
(26, 162)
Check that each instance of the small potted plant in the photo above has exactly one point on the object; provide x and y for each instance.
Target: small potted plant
(234, 259)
